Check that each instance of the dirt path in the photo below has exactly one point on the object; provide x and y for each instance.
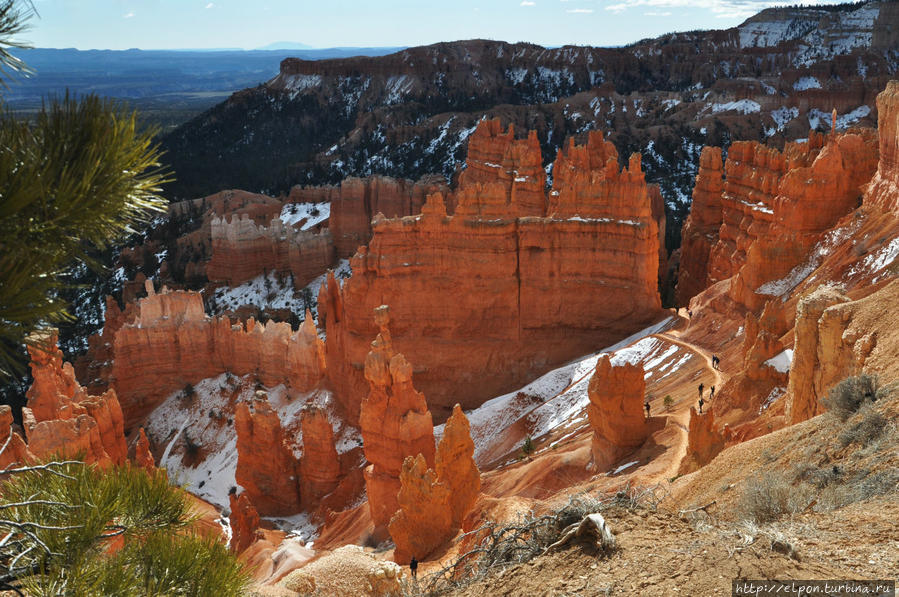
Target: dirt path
(682, 415)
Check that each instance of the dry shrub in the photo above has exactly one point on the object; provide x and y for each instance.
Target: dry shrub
(768, 497)
(849, 395)
(871, 427)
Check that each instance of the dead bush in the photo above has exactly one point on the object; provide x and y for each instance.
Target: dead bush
(849, 395)
(768, 497)
(871, 427)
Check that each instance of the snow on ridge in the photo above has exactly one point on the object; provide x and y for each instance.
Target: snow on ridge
(743, 106)
(805, 83)
(556, 398)
(313, 213)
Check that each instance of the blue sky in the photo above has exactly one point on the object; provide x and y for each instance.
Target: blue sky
(154, 24)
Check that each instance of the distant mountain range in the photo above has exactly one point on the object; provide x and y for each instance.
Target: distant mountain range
(142, 74)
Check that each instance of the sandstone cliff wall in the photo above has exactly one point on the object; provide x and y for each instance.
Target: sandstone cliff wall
(171, 342)
(241, 250)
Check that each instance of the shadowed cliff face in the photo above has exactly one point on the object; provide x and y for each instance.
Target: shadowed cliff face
(410, 113)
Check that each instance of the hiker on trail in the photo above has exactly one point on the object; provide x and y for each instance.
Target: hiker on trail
(715, 361)
(646, 406)
(701, 388)
(413, 566)
(712, 393)
(701, 402)
(690, 314)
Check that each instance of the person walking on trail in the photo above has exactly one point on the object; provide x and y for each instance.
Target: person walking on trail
(701, 388)
(701, 402)
(715, 362)
(413, 567)
(712, 392)
(646, 406)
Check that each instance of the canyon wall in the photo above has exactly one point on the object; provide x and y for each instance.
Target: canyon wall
(171, 342)
(242, 250)
(773, 207)
(485, 298)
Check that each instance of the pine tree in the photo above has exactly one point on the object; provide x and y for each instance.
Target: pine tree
(76, 179)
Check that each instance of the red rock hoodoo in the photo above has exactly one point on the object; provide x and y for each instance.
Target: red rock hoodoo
(434, 504)
(15, 452)
(704, 441)
(244, 521)
(616, 412)
(320, 463)
(266, 467)
(884, 189)
(394, 421)
(142, 456)
(61, 418)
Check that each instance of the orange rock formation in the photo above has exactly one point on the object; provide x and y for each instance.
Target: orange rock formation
(700, 231)
(13, 450)
(773, 209)
(241, 250)
(704, 441)
(456, 467)
(171, 342)
(61, 418)
(884, 189)
(320, 463)
(266, 468)
(142, 455)
(244, 521)
(424, 520)
(616, 412)
(432, 503)
(503, 296)
(394, 421)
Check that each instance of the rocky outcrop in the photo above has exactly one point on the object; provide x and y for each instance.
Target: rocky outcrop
(13, 450)
(504, 176)
(61, 418)
(394, 421)
(171, 342)
(433, 503)
(424, 520)
(244, 522)
(357, 200)
(700, 231)
(142, 456)
(504, 296)
(803, 400)
(241, 250)
(320, 463)
(883, 191)
(616, 412)
(704, 441)
(455, 466)
(266, 467)
(836, 338)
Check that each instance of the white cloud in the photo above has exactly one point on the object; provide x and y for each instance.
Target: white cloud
(580, 10)
(657, 14)
(210, 5)
(528, 3)
(128, 16)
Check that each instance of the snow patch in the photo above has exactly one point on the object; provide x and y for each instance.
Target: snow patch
(743, 106)
(805, 83)
(313, 213)
(781, 362)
